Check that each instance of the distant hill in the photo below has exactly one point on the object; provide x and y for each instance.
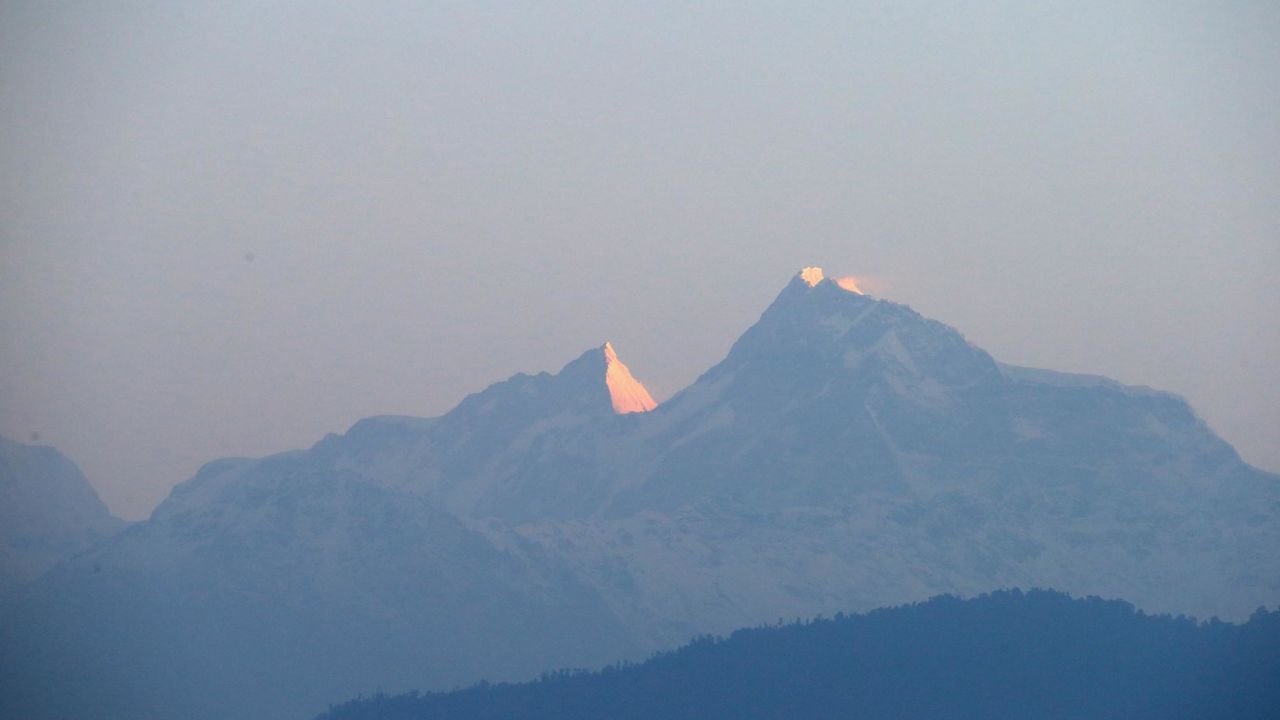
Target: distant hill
(48, 511)
(267, 589)
(1007, 655)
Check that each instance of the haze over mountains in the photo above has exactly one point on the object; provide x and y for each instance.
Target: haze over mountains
(846, 454)
(48, 512)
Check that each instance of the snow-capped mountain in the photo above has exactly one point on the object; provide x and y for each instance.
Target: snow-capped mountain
(849, 453)
(846, 454)
(534, 447)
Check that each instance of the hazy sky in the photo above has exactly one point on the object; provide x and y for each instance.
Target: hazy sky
(229, 228)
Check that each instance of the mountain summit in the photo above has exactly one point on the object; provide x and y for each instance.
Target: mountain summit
(626, 393)
(813, 275)
(595, 382)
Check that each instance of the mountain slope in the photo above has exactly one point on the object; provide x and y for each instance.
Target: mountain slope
(265, 588)
(48, 511)
(1008, 655)
(820, 400)
(849, 453)
(529, 448)
(321, 571)
(833, 394)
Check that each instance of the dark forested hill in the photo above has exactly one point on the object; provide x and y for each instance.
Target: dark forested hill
(1006, 655)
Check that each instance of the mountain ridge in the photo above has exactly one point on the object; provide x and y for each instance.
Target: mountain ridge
(1006, 654)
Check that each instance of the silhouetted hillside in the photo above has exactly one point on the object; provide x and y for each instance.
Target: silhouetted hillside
(1007, 655)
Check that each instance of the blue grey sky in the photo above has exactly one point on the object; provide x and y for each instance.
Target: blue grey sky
(229, 228)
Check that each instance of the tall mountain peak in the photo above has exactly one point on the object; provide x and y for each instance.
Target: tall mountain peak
(812, 280)
(594, 383)
(811, 276)
(626, 393)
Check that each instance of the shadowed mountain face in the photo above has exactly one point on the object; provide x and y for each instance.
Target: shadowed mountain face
(833, 395)
(48, 512)
(827, 397)
(846, 454)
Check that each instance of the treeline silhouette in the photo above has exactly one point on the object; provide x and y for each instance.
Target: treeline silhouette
(1039, 654)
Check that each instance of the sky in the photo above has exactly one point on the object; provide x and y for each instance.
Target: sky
(231, 228)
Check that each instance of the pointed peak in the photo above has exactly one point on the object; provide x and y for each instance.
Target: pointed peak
(811, 276)
(626, 393)
(812, 279)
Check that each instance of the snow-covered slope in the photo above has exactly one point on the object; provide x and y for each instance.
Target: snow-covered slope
(850, 453)
(626, 394)
(530, 448)
(847, 453)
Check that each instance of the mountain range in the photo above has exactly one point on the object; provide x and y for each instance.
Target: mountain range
(846, 454)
